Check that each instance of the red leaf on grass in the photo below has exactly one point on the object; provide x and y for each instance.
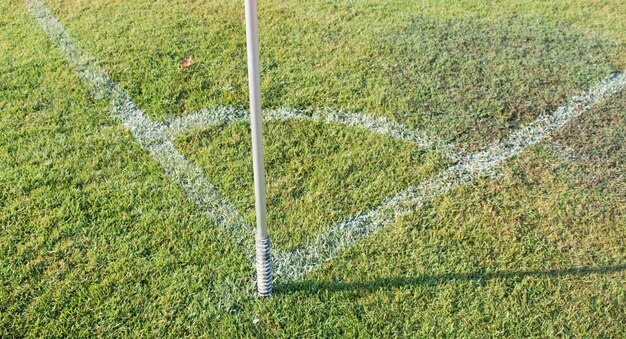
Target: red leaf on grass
(185, 63)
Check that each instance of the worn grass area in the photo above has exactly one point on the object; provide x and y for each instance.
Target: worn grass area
(95, 240)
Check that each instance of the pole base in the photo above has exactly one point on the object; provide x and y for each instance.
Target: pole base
(263, 266)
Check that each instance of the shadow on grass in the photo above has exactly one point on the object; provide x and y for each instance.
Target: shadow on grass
(431, 280)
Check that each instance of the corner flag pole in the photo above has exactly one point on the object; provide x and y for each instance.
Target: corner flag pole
(263, 259)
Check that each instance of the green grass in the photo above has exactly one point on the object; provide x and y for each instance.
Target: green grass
(318, 174)
(96, 240)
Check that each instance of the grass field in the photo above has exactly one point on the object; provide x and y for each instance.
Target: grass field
(117, 221)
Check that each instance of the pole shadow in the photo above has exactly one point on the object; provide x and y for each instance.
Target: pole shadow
(313, 286)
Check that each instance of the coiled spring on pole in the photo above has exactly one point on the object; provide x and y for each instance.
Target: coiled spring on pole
(263, 266)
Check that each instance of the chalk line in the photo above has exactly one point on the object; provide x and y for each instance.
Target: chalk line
(222, 115)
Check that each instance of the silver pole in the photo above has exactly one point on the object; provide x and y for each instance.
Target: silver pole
(263, 259)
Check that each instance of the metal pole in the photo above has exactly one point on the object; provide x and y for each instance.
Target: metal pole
(263, 259)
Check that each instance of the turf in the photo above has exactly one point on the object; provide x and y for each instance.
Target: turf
(96, 240)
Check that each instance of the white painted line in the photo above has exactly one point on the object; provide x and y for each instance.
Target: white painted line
(291, 265)
(227, 115)
(218, 116)
(147, 133)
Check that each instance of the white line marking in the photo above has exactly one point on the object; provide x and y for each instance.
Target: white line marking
(291, 265)
(149, 134)
(227, 115)
(220, 115)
